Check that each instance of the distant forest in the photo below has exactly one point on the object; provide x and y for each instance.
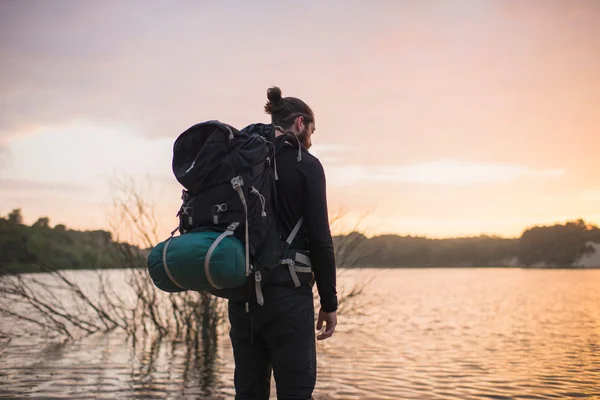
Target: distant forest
(556, 246)
(23, 248)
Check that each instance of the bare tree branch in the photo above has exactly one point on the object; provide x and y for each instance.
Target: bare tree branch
(188, 316)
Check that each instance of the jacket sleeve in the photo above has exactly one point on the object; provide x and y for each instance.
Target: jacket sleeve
(320, 242)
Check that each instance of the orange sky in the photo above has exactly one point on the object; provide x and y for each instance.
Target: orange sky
(436, 118)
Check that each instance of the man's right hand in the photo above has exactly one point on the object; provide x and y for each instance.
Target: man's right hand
(330, 320)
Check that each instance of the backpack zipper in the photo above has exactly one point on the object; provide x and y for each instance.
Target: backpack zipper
(253, 190)
(259, 295)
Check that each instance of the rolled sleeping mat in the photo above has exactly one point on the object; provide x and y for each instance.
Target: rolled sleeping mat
(199, 261)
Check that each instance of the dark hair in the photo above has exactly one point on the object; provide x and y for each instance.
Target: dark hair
(284, 110)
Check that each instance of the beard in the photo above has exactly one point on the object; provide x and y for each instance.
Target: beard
(304, 138)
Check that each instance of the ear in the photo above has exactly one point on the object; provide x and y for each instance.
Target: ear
(299, 123)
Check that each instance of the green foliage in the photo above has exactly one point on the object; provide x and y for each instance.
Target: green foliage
(16, 217)
(22, 247)
(552, 246)
(557, 245)
(409, 251)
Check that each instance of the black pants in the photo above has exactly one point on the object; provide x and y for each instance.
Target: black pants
(278, 336)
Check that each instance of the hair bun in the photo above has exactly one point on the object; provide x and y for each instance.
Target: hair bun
(275, 103)
(274, 95)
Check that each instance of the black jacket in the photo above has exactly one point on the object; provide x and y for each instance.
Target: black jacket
(301, 191)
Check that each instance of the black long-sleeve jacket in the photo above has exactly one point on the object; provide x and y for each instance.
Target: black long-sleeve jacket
(301, 192)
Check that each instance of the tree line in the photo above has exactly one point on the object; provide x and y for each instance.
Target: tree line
(23, 248)
(559, 246)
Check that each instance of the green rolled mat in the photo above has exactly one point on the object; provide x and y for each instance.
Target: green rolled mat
(186, 256)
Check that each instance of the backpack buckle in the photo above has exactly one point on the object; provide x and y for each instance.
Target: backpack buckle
(237, 181)
(217, 208)
(185, 210)
(233, 226)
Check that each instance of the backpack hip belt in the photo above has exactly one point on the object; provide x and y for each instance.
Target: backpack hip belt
(297, 258)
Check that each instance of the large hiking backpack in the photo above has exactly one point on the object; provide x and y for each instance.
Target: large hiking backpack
(228, 239)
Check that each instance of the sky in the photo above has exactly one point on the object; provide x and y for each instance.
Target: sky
(437, 118)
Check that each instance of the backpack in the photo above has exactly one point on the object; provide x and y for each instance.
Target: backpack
(229, 241)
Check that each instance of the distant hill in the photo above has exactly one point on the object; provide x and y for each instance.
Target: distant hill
(411, 251)
(22, 247)
(556, 246)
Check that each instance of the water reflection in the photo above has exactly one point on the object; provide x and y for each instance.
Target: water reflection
(430, 334)
(102, 366)
(200, 365)
(160, 365)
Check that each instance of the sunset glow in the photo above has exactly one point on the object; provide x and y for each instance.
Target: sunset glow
(446, 118)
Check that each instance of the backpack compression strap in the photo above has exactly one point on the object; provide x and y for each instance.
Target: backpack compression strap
(211, 250)
(237, 183)
(164, 260)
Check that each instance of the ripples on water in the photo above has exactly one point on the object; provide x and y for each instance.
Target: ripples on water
(427, 334)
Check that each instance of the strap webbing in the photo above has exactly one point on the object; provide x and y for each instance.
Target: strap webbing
(294, 269)
(210, 251)
(295, 231)
(291, 134)
(301, 258)
(164, 260)
(294, 275)
(304, 270)
(237, 183)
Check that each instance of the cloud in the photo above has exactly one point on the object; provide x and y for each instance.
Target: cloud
(328, 153)
(4, 154)
(22, 185)
(442, 172)
(545, 8)
(158, 68)
(93, 61)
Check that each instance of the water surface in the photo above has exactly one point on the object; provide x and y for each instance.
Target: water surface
(422, 334)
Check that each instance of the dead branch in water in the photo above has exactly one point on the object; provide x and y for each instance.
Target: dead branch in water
(57, 303)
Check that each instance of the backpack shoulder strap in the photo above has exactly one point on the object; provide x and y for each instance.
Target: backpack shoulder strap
(289, 139)
(295, 231)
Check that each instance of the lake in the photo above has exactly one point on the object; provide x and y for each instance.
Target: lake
(420, 334)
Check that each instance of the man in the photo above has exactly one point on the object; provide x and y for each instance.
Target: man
(279, 336)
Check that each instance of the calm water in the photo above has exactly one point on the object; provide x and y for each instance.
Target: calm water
(423, 334)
